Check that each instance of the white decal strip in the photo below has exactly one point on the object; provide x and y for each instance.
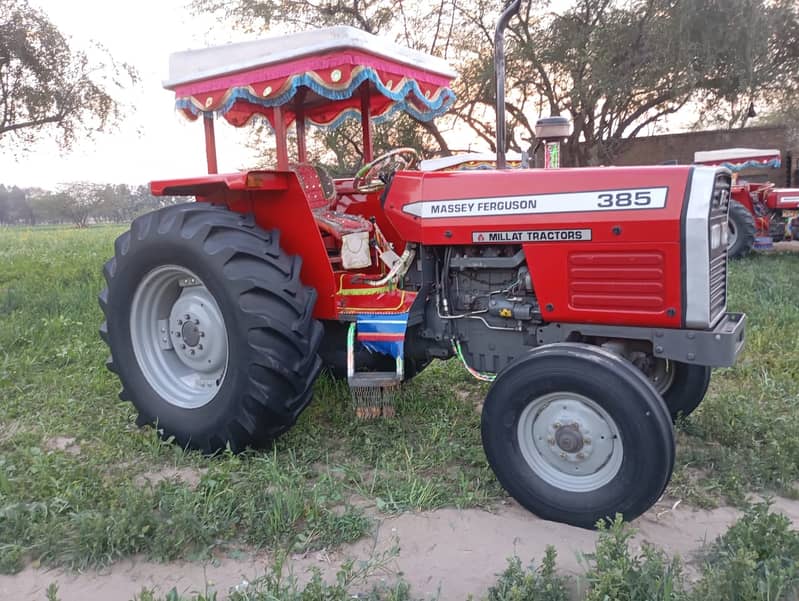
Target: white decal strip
(570, 202)
(531, 236)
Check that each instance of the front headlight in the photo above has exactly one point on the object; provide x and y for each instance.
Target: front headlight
(715, 236)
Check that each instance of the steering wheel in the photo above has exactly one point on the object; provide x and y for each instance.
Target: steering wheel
(374, 175)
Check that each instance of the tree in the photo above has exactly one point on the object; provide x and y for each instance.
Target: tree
(77, 201)
(760, 68)
(46, 85)
(617, 69)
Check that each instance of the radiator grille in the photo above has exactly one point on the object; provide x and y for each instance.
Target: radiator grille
(623, 281)
(718, 257)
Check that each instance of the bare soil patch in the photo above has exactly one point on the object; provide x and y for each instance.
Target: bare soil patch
(448, 552)
(186, 475)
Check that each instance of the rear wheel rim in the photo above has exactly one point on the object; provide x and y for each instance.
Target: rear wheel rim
(662, 375)
(570, 442)
(179, 336)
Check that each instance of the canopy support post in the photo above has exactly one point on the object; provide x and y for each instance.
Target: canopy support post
(366, 121)
(210, 143)
(280, 138)
(299, 119)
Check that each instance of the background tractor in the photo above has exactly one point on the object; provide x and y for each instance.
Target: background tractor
(593, 299)
(757, 209)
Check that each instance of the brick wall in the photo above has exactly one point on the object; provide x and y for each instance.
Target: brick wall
(653, 150)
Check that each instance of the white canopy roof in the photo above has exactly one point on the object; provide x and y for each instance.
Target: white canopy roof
(733, 154)
(204, 63)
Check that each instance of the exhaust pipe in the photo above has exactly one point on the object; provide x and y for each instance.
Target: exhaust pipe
(499, 72)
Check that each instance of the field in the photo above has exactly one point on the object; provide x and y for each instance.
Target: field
(81, 486)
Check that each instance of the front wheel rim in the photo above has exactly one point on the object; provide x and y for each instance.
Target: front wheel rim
(570, 442)
(179, 337)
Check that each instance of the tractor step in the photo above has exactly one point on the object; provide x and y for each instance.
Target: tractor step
(373, 392)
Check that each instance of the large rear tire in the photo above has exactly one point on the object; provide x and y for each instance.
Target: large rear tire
(210, 328)
(741, 231)
(577, 434)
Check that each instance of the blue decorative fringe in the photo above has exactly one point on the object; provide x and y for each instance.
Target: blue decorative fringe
(436, 107)
(772, 164)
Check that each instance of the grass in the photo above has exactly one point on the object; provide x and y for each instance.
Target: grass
(73, 490)
(757, 559)
(743, 437)
(72, 459)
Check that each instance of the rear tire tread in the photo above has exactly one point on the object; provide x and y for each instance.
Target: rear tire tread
(262, 415)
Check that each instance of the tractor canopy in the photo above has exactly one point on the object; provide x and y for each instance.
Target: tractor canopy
(321, 77)
(738, 159)
(318, 75)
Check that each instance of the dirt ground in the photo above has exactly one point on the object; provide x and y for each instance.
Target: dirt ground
(787, 246)
(448, 552)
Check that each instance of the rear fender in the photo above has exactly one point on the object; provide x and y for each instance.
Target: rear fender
(277, 201)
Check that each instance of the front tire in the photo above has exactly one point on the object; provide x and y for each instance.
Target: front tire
(210, 328)
(577, 434)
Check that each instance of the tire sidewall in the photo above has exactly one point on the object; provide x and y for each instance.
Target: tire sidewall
(644, 428)
(132, 268)
(687, 389)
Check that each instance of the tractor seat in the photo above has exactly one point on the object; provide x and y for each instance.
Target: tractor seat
(321, 194)
(316, 183)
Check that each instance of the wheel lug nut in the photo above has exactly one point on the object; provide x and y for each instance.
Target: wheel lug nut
(183, 346)
(200, 346)
(575, 424)
(551, 441)
(196, 322)
(563, 455)
(202, 334)
(187, 317)
(556, 425)
(580, 455)
(192, 351)
(586, 440)
(180, 322)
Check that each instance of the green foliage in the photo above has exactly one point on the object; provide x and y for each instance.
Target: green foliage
(757, 559)
(280, 584)
(114, 490)
(743, 436)
(616, 68)
(44, 83)
(614, 572)
(89, 501)
(532, 584)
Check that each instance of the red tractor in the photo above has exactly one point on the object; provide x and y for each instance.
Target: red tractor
(757, 210)
(594, 299)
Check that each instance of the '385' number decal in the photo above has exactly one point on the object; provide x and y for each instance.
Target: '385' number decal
(622, 200)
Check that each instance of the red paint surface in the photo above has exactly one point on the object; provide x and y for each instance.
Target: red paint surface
(633, 277)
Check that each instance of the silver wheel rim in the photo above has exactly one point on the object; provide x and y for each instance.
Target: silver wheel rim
(732, 233)
(570, 442)
(179, 336)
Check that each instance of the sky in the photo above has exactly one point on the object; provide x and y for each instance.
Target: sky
(152, 141)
